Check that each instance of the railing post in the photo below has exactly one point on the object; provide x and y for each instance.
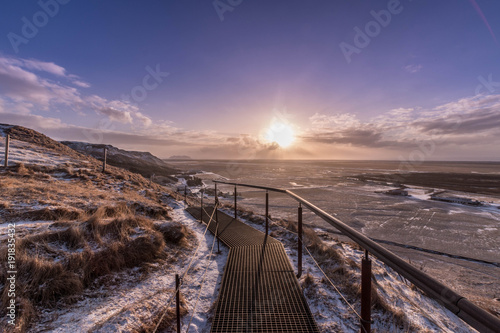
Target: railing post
(104, 160)
(366, 291)
(177, 305)
(267, 212)
(217, 219)
(201, 206)
(235, 204)
(299, 249)
(7, 143)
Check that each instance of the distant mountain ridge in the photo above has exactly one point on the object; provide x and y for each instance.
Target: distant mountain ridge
(179, 157)
(143, 163)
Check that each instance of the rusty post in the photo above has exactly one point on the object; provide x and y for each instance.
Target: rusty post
(217, 227)
(201, 206)
(366, 290)
(217, 219)
(267, 212)
(299, 263)
(235, 204)
(177, 299)
(7, 143)
(104, 160)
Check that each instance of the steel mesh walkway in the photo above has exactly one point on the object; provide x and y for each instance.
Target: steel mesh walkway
(259, 290)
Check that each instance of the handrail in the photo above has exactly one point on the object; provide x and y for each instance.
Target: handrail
(476, 317)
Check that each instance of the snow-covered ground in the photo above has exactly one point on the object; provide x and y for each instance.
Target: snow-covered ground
(27, 153)
(127, 305)
(333, 314)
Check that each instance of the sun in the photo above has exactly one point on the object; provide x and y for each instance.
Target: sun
(281, 133)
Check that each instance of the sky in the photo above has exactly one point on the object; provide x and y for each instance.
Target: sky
(238, 79)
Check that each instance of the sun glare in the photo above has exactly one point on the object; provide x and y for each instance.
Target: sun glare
(280, 133)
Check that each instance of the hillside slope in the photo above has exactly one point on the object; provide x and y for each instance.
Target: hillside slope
(143, 163)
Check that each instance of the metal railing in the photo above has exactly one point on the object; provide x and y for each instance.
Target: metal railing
(475, 316)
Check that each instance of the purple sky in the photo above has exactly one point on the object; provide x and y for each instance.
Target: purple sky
(354, 79)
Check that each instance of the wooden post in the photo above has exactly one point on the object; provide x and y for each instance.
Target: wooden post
(366, 291)
(7, 143)
(104, 160)
(178, 305)
(299, 264)
(235, 203)
(267, 212)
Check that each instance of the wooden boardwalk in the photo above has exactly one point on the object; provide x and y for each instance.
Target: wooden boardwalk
(259, 290)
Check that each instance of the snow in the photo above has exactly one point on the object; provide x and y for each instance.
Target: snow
(27, 153)
(129, 304)
(333, 314)
(3, 128)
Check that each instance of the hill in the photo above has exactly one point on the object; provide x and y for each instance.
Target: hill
(143, 163)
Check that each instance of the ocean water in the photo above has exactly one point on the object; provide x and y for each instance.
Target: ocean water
(452, 228)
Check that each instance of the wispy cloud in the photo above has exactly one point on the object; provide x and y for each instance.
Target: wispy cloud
(27, 90)
(451, 123)
(413, 68)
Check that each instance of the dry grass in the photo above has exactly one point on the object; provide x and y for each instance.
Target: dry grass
(56, 265)
(102, 224)
(343, 271)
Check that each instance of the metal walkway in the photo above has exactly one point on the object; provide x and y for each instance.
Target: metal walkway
(259, 290)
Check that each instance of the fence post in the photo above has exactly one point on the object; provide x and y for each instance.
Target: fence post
(235, 204)
(267, 212)
(366, 290)
(299, 264)
(217, 219)
(7, 143)
(177, 303)
(201, 206)
(104, 160)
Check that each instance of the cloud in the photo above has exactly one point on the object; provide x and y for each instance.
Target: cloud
(352, 136)
(453, 123)
(117, 115)
(143, 119)
(48, 67)
(413, 68)
(19, 84)
(26, 90)
(481, 120)
(81, 84)
(334, 122)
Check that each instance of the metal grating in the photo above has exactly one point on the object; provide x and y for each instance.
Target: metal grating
(232, 232)
(259, 290)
